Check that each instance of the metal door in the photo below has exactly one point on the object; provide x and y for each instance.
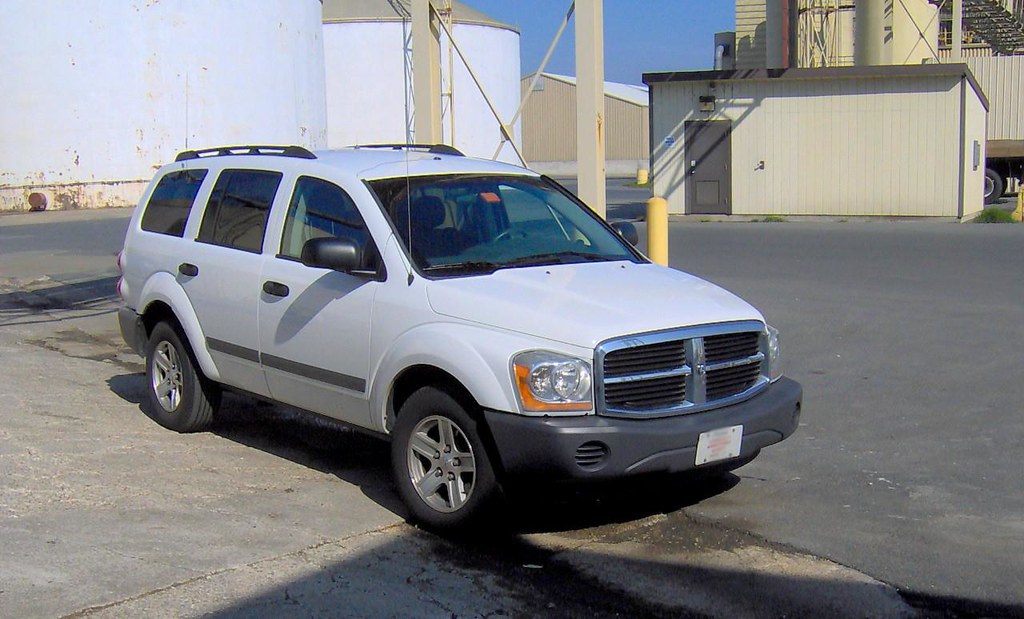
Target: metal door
(707, 145)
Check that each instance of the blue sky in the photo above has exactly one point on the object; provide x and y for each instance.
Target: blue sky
(640, 35)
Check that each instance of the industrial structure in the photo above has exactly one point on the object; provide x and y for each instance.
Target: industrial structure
(140, 82)
(821, 33)
(846, 107)
(549, 130)
(369, 76)
(94, 100)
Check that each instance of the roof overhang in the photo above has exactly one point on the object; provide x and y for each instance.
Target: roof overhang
(953, 70)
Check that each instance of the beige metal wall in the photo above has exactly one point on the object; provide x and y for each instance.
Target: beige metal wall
(974, 121)
(1002, 79)
(863, 146)
(751, 35)
(549, 125)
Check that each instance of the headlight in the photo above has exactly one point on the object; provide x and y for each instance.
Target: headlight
(548, 381)
(774, 354)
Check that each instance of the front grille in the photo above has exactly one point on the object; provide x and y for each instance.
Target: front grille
(731, 381)
(731, 346)
(645, 359)
(650, 393)
(681, 371)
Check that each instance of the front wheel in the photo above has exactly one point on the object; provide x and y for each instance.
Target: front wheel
(440, 465)
(180, 397)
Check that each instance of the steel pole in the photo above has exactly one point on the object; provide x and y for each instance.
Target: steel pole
(590, 103)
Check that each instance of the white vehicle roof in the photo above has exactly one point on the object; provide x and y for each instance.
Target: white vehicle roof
(364, 162)
(374, 163)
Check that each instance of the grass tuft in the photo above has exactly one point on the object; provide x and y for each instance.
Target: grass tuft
(993, 215)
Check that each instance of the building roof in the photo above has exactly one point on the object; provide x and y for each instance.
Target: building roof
(629, 93)
(340, 11)
(956, 70)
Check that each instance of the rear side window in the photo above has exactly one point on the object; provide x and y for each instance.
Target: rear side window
(236, 215)
(171, 202)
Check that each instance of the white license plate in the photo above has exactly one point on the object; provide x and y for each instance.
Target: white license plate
(720, 444)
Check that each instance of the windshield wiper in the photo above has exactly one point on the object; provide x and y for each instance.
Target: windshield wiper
(464, 267)
(556, 257)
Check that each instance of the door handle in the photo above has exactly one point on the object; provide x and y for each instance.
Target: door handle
(275, 289)
(188, 269)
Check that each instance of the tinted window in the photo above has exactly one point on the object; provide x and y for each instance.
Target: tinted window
(320, 209)
(470, 224)
(236, 215)
(171, 202)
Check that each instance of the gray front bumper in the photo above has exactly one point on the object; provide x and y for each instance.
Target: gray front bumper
(548, 446)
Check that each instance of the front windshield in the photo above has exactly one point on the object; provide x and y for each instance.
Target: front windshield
(467, 224)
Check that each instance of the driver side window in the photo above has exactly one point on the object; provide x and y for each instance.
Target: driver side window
(321, 209)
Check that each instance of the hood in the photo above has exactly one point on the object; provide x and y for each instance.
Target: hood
(585, 304)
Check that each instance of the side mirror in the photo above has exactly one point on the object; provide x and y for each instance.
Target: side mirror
(627, 231)
(331, 253)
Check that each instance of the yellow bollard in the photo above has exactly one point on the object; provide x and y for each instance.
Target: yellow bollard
(642, 176)
(1018, 213)
(657, 230)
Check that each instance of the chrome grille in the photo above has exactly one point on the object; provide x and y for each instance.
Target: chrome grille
(731, 346)
(650, 393)
(680, 371)
(730, 381)
(644, 359)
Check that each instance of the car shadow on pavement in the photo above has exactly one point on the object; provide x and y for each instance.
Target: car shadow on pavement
(34, 304)
(306, 439)
(364, 461)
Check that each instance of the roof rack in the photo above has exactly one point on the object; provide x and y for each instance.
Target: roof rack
(222, 151)
(436, 149)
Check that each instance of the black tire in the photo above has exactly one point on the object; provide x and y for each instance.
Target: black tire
(441, 492)
(180, 398)
(995, 185)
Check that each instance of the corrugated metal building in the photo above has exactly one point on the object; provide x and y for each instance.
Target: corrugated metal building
(851, 141)
(1002, 80)
(549, 125)
(751, 38)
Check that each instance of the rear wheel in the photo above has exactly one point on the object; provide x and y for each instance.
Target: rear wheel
(180, 397)
(440, 465)
(994, 186)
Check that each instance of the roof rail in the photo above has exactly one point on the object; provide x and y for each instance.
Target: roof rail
(437, 149)
(222, 151)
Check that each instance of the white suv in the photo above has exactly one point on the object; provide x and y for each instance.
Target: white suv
(477, 314)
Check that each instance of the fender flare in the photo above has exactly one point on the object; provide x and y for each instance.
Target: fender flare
(484, 370)
(165, 288)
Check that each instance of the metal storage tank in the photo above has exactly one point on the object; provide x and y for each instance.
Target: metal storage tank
(98, 94)
(369, 76)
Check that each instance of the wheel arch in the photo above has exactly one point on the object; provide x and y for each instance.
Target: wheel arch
(472, 361)
(166, 300)
(415, 377)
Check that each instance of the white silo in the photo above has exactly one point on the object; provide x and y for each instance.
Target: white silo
(97, 94)
(369, 79)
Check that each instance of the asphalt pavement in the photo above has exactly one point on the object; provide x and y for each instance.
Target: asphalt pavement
(900, 492)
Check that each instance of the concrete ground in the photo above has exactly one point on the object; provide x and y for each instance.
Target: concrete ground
(899, 495)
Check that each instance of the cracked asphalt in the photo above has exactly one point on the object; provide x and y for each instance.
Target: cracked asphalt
(275, 513)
